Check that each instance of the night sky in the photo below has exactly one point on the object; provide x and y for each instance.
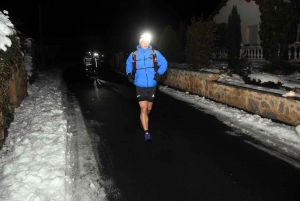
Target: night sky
(114, 22)
(103, 17)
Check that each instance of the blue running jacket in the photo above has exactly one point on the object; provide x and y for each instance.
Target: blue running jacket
(145, 70)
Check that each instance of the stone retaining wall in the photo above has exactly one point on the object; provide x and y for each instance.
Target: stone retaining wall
(17, 92)
(17, 87)
(265, 104)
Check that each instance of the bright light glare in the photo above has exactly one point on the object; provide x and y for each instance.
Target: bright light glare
(146, 37)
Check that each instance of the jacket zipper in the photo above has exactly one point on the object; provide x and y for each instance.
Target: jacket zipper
(145, 68)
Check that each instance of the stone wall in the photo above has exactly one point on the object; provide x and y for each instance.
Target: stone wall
(265, 104)
(17, 89)
(17, 92)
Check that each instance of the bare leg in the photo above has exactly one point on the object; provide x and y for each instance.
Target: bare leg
(149, 107)
(146, 107)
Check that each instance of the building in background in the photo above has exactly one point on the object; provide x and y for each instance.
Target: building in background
(249, 14)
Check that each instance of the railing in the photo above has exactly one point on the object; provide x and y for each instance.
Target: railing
(256, 53)
(220, 54)
(294, 52)
(252, 53)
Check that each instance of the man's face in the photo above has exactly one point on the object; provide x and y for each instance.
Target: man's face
(144, 44)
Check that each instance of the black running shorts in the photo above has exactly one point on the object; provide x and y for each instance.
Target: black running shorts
(145, 93)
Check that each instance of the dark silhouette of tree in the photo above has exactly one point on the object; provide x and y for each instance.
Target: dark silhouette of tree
(234, 39)
(169, 44)
(181, 37)
(221, 36)
(277, 30)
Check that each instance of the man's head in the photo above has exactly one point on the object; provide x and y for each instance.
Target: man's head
(145, 40)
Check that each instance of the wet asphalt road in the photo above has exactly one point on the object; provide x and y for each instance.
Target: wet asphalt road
(190, 156)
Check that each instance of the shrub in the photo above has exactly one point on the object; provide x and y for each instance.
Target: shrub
(200, 38)
(10, 61)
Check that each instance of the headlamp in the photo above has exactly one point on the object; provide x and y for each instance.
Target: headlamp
(145, 37)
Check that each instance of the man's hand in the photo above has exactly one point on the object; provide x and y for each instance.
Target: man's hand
(130, 77)
(157, 77)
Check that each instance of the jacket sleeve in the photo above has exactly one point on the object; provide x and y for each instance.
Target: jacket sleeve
(129, 64)
(161, 62)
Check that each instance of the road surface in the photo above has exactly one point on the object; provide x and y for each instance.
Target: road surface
(190, 157)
